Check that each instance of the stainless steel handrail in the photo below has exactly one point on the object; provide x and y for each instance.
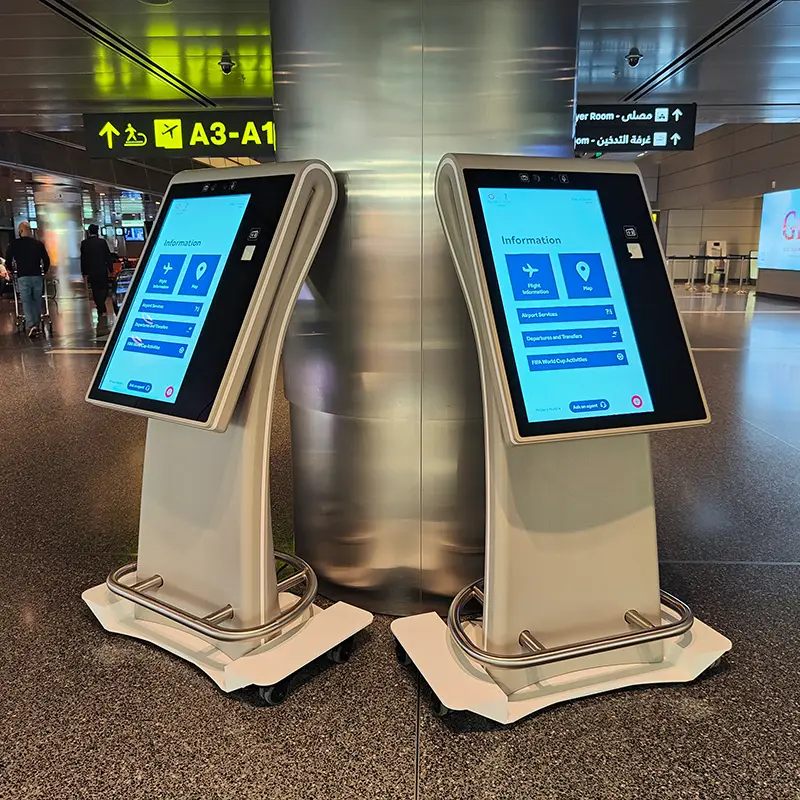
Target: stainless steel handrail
(209, 624)
(550, 655)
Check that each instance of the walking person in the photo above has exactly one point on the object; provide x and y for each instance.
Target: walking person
(96, 265)
(27, 257)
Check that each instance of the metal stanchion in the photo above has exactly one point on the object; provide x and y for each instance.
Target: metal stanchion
(741, 289)
(726, 266)
(690, 287)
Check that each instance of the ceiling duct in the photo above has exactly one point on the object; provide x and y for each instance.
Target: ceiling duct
(746, 14)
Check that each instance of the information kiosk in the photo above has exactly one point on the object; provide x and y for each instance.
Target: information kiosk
(196, 349)
(579, 342)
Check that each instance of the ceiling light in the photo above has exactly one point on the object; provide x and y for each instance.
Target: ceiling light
(102, 194)
(158, 202)
(17, 180)
(9, 200)
(156, 2)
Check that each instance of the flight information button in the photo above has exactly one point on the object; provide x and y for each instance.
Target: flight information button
(140, 386)
(588, 406)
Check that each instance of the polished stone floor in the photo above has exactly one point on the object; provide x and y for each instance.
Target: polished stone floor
(84, 714)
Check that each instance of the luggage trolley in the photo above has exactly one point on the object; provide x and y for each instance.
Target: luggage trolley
(47, 321)
(119, 285)
(574, 319)
(229, 252)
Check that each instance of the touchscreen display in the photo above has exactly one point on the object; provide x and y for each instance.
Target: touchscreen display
(166, 315)
(570, 329)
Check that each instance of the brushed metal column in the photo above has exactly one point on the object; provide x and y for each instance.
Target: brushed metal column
(381, 370)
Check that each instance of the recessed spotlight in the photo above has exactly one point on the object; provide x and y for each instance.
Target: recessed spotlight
(158, 202)
(102, 194)
(156, 2)
(17, 180)
(9, 200)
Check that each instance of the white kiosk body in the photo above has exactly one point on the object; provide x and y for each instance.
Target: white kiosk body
(197, 348)
(582, 352)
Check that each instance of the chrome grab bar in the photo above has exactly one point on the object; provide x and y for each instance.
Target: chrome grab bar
(209, 625)
(539, 655)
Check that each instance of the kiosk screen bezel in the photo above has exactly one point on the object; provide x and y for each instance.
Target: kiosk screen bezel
(229, 307)
(669, 369)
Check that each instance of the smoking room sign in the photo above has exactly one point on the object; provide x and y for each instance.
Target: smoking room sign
(635, 128)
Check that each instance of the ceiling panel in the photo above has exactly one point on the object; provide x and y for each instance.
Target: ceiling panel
(188, 39)
(51, 71)
(661, 29)
(753, 76)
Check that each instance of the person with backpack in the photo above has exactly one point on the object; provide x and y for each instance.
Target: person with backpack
(27, 257)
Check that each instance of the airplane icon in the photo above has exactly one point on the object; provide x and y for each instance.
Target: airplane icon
(168, 133)
(529, 270)
(168, 268)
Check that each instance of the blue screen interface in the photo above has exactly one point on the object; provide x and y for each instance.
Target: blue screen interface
(165, 317)
(571, 335)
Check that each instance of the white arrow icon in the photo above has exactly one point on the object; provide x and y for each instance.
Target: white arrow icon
(676, 137)
(530, 270)
(677, 113)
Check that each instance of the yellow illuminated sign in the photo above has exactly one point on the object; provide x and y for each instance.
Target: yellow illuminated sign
(168, 133)
(209, 134)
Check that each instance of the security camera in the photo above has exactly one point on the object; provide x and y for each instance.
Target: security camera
(226, 63)
(634, 57)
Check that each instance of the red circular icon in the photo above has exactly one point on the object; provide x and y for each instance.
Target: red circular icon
(637, 401)
(170, 391)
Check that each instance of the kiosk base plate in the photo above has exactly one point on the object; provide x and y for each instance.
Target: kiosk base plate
(463, 685)
(319, 631)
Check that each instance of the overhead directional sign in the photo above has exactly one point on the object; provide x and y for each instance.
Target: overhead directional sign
(183, 133)
(635, 128)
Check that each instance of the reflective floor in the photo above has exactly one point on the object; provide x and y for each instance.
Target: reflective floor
(84, 714)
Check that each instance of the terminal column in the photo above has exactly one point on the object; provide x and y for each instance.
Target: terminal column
(381, 368)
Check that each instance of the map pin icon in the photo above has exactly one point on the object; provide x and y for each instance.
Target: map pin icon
(202, 267)
(584, 270)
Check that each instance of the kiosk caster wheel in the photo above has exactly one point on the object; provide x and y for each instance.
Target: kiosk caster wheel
(342, 652)
(439, 708)
(274, 695)
(401, 654)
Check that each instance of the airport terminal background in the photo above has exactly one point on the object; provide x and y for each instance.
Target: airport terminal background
(84, 713)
